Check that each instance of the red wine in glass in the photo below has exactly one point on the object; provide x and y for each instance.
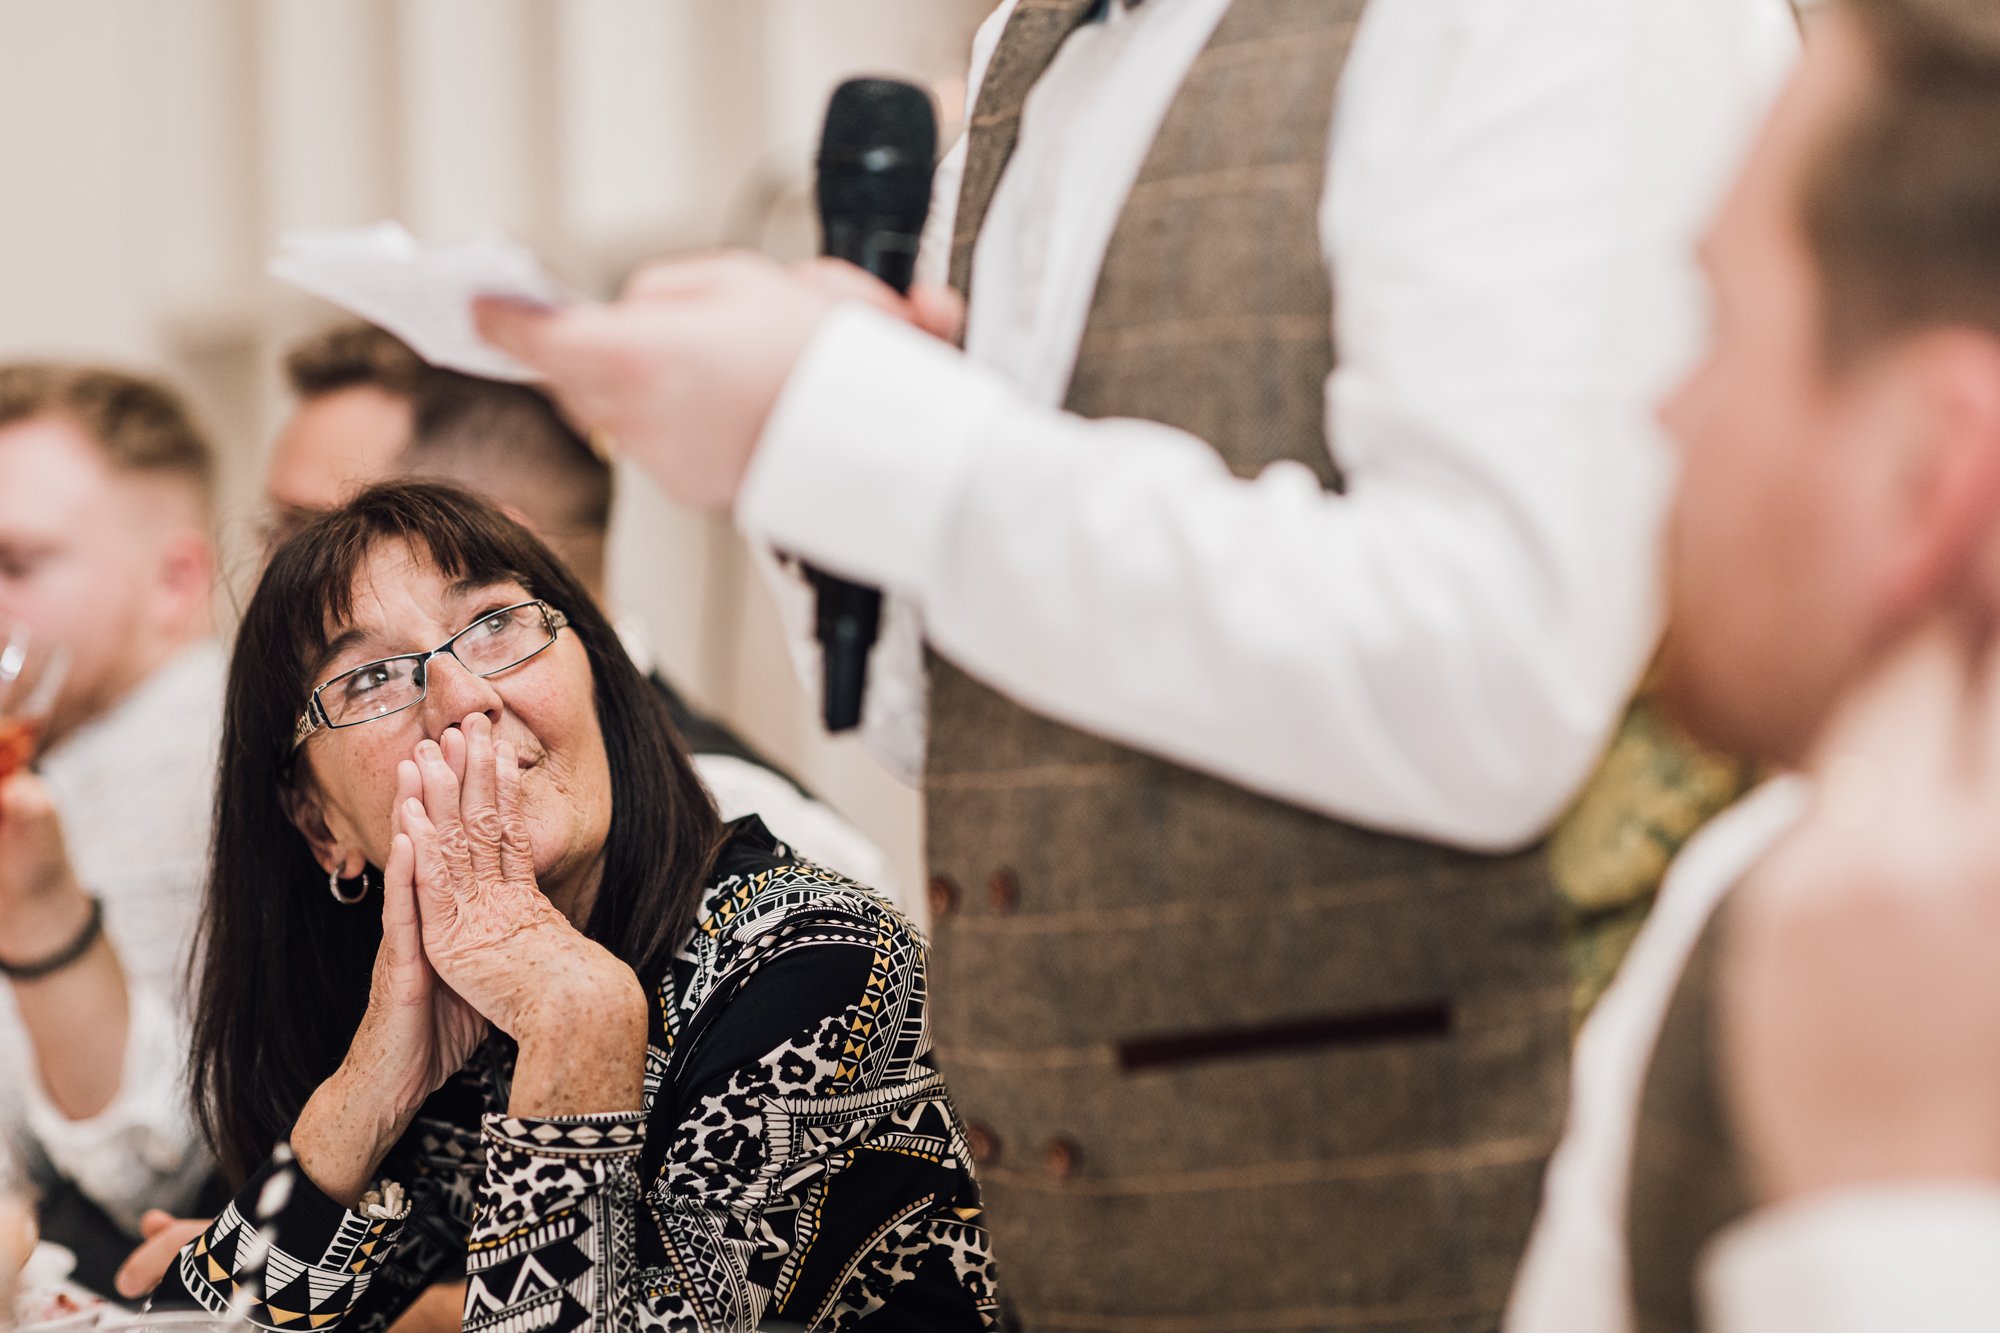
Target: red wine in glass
(17, 744)
(31, 672)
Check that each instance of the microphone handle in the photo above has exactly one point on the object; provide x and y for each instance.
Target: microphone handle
(850, 614)
(875, 246)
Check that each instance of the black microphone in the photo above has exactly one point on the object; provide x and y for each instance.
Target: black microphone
(876, 159)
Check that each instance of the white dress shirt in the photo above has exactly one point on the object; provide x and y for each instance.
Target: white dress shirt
(134, 789)
(1918, 1259)
(1514, 192)
(1574, 1279)
(1878, 1260)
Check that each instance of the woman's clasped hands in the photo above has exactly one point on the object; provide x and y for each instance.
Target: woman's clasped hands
(469, 941)
(462, 854)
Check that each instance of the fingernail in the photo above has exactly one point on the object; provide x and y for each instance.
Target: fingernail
(428, 750)
(414, 806)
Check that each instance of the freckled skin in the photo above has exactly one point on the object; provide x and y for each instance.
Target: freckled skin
(545, 707)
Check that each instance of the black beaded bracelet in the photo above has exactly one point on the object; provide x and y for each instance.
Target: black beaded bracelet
(64, 956)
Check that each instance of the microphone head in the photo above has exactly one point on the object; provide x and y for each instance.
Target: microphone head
(877, 155)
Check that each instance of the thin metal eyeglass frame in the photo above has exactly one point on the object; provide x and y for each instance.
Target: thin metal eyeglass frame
(314, 718)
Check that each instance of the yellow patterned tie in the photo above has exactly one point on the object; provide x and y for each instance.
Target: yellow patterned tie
(1653, 789)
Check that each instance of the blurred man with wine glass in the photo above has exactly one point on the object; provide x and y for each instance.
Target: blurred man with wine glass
(106, 550)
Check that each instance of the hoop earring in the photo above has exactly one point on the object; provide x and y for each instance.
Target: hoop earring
(345, 900)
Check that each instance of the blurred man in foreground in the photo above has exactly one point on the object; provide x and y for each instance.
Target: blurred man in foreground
(105, 522)
(1836, 577)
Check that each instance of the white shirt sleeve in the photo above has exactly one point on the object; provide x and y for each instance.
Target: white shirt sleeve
(1879, 1260)
(1443, 650)
(139, 1152)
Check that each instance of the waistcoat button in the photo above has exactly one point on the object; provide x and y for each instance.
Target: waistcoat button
(944, 896)
(983, 1142)
(1005, 891)
(1061, 1157)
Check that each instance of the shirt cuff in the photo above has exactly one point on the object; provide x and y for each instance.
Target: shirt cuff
(864, 456)
(590, 1142)
(321, 1259)
(536, 1165)
(1874, 1260)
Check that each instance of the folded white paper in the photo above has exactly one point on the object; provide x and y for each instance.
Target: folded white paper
(421, 292)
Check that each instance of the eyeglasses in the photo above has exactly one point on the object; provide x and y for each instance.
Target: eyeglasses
(489, 645)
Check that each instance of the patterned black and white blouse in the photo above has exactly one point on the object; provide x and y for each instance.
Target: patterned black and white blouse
(797, 1158)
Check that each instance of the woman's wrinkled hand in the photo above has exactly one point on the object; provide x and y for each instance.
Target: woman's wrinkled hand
(491, 934)
(416, 1032)
(496, 940)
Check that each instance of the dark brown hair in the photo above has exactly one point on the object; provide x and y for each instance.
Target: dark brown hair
(1903, 206)
(509, 440)
(354, 356)
(141, 424)
(283, 970)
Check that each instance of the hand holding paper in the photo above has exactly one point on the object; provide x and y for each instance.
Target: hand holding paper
(683, 371)
(422, 292)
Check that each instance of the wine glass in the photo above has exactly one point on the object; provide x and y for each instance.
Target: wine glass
(31, 675)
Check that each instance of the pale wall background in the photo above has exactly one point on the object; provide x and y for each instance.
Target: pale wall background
(152, 150)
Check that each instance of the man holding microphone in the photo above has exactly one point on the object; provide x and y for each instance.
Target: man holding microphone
(1283, 543)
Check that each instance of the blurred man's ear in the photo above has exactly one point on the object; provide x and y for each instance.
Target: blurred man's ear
(1949, 505)
(186, 567)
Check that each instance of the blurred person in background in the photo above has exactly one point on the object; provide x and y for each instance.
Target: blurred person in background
(1786, 1112)
(369, 409)
(1283, 542)
(353, 387)
(105, 549)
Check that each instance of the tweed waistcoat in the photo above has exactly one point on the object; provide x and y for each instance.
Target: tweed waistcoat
(1688, 1182)
(1226, 1063)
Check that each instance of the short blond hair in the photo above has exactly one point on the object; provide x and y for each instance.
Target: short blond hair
(141, 424)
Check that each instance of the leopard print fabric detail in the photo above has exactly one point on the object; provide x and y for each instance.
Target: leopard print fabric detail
(797, 1156)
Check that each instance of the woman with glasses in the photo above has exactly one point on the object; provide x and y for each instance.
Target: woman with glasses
(487, 991)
